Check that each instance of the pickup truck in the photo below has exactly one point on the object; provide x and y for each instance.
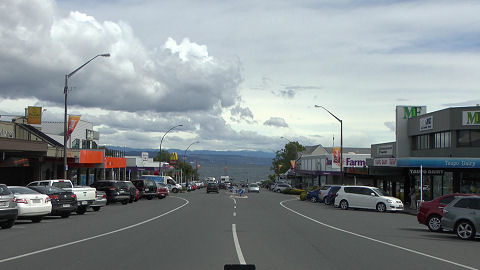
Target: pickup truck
(85, 195)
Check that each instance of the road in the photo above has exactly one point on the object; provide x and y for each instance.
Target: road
(206, 231)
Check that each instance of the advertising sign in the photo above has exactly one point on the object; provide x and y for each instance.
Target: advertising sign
(72, 123)
(426, 123)
(471, 118)
(336, 155)
(403, 113)
(385, 150)
(173, 158)
(145, 156)
(292, 164)
(34, 115)
(385, 162)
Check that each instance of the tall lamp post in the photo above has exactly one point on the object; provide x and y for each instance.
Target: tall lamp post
(341, 139)
(65, 128)
(184, 157)
(160, 162)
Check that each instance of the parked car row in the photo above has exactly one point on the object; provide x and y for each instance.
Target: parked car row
(60, 198)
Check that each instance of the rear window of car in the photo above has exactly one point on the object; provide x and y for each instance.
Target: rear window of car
(61, 184)
(447, 200)
(349, 190)
(138, 184)
(22, 190)
(462, 203)
(121, 185)
(4, 190)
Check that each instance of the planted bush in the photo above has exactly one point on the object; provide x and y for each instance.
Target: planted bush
(303, 196)
(293, 191)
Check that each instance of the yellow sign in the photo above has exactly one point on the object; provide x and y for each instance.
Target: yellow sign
(174, 156)
(34, 115)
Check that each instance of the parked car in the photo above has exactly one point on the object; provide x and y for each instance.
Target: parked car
(100, 201)
(253, 188)
(222, 186)
(63, 202)
(323, 192)
(162, 190)
(212, 187)
(30, 203)
(132, 190)
(117, 191)
(430, 213)
(281, 187)
(367, 198)
(85, 195)
(146, 187)
(314, 195)
(8, 208)
(167, 180)
(462, 216)
(331, 194)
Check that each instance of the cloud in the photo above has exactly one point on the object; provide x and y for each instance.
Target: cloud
(239, 113)
(276, 122)
(291, 91)
(390, 125)
(463, 103)
(37, 46)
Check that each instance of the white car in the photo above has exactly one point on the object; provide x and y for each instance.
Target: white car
(279, 187)
(367, 198)
(31, 204)
(253, 188)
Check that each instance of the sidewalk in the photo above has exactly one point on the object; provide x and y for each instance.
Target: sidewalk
(409, 211)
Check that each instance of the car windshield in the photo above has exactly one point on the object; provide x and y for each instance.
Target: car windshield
(253, 185)
(381, 192)
(22, 190)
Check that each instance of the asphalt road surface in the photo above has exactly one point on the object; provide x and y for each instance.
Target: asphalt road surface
(206, 231)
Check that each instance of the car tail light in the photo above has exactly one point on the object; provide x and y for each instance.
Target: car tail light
(112, 188)
(104, 196)
(17, 200)
(74, 196)
(48, 199)
(53, 197)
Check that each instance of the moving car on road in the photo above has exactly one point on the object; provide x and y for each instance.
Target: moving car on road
(63, 202)
(253, 188)
(117, 191)
(462, 216)
(367, 198)
(31, 204)
(212, 187)
(430, 213)
(8, 208)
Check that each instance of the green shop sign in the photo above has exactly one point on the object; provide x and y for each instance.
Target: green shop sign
(411, 112)
(471, 118)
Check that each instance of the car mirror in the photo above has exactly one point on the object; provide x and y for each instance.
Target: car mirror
(373, 194)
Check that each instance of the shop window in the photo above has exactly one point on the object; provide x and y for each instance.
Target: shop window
(422, 142)
(466, 138)
(442, 140)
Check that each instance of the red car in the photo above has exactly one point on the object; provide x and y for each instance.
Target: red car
(162, 190)
(431, 212)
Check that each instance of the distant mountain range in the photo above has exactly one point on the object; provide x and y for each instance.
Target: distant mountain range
(209, 156)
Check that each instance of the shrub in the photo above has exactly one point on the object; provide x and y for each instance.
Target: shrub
(293, 191)
(303, 196)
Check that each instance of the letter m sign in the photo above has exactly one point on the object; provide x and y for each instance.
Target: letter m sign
(411, 112)
(471, 118)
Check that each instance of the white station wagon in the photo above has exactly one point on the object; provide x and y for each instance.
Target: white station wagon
(367, 198)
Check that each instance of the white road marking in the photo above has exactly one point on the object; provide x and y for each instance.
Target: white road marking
(234, 207)
(234, 214)
(241, 259)
(375, 240)
(96, 236)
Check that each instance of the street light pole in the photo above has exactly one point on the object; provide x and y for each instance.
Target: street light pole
(65, 124)
(161, 141)
(184, 157)
(341, 139)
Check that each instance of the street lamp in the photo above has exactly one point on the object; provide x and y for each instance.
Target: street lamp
(184, 157)
(160, 162)
(341, 138)
(65, 128)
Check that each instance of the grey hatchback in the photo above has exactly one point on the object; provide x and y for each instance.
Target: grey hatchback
(462, 216)
(8, 208)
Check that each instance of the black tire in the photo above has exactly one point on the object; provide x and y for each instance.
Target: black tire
(149, 197)
(381, 207)
(65, 215)
(343, 204)
(175, 190)
(434, 223)
(313, 199)
(81, 210)
(96, 208)
(465, 230)
(131, 200)
(36, 219)
(125, 202)
(7, 224)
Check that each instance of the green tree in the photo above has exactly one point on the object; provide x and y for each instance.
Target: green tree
(281, 162)
(165, 156)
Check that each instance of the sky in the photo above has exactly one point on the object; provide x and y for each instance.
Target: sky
(238, 75)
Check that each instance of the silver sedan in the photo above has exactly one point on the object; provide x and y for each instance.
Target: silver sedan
(253, 188)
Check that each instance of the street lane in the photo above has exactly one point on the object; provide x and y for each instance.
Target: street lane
(199, 236)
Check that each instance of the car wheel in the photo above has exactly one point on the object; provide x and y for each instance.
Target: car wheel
(65, 215)
(465, 230)
(81, 210)
(36, 219)
(125, 202)
(149, 197)
(381, 207)
(313, 199)
(175, 190)
(96, 208)
(131, 200)
(434, 223)
(344, 205)
(7, 224)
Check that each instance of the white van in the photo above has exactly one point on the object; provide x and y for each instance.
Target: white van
(166, 180)
(367, 198)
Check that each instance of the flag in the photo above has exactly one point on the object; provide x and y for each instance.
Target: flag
(72, 123)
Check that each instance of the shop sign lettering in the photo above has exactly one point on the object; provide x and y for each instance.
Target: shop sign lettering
(471, 118)
(411, 112)
(6, 133)
(426, 123)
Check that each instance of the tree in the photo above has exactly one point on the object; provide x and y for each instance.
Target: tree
(165, 156)
(281, 162)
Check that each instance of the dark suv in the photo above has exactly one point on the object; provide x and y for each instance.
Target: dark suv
(132, 190)
(8, 208)
(212, 187)
(146, 187)
(117, 191)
